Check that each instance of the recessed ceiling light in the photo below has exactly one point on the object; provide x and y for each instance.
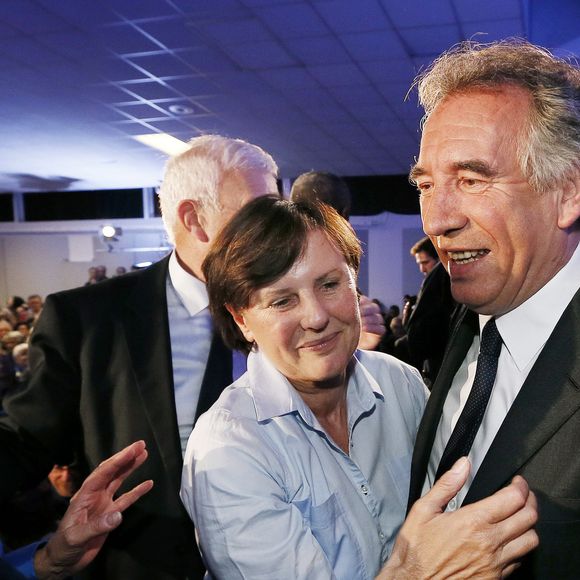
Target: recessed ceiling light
(163, 142)
(180, 110)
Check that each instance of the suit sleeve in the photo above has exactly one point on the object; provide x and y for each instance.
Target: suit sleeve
(42, 421)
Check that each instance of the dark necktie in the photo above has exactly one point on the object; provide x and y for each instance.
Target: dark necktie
(470, 419)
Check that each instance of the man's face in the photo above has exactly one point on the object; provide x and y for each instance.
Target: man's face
(35, 304)
(425, 262)
(498, 238)
(5, 328)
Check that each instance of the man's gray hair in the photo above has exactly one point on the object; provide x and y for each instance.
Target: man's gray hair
(549, 146)
(198, 173)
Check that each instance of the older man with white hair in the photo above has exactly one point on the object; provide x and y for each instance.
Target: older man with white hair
(135, 357)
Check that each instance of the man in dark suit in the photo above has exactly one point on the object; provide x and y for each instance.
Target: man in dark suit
(429, 322)
(135, 357)
(499, 178)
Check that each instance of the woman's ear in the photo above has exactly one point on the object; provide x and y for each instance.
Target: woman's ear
(241, 322)
(188, 212)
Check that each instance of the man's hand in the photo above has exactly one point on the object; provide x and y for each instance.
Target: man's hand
(372, 324)
(481, 540)
(91, 515)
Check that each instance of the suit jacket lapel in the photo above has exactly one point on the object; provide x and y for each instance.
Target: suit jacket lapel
(218, 374)
(459, 343)
(548, 397)
(147, 332)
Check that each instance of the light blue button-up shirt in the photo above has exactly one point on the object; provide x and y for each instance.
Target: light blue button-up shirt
(273, 497)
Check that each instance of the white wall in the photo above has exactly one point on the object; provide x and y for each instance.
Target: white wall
(32, 262)
(39, 262)
(392, 270)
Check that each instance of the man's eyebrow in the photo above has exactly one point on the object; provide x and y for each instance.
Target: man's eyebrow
(477, 166)
(416, 171)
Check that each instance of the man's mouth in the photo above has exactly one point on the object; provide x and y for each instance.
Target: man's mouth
(466, 256)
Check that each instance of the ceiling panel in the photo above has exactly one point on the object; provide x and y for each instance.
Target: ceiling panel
(293, 21)
(342, 16)
(319, 83)
(411, 13)
(320, 50)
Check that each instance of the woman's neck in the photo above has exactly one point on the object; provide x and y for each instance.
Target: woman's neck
(328, 403)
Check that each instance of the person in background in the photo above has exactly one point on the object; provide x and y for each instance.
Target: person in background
(21, 367)
(333, 190)
(429, 322)
(34, 303)
(24, 329)
(300, 469)
(120, 270)
(425, 255)
(136, 357)
(499, 179)
(10, 340)
(92, 273)
(101, 273)
(5, 328)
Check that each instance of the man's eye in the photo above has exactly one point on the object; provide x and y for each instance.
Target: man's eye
(424, 188)
(471, 184)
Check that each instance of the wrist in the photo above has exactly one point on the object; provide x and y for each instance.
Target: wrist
(44, 568)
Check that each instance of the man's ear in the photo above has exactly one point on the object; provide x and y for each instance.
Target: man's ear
(569, 208)
(188, 213)
(241, 322)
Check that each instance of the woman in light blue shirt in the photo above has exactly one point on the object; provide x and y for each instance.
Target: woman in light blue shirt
(301, 468)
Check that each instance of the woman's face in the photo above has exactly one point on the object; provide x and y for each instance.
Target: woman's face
(307, 323)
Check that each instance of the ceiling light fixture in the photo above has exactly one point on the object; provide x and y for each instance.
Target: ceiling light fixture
(110, 232)
(163, 142)
(180, 110)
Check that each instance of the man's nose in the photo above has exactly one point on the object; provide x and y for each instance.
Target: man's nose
(441, 211)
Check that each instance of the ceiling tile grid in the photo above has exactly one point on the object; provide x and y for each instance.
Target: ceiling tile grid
(321, 82)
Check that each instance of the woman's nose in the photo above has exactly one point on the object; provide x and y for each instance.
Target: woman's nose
(314, 314)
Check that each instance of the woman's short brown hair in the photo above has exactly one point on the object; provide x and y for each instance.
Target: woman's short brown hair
(258, 246)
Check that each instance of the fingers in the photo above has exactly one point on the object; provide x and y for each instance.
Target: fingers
(517, 531)
(505, 502)
(130, 497)
(445, 488)
(371, 316)
(115, 469)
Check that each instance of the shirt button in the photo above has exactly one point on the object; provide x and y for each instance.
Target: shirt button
(364, 489)
(452, 505)
(381, 535)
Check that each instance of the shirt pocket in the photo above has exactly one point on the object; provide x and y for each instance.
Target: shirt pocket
(329, 527)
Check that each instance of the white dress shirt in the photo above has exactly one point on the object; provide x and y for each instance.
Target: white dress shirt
(524, 331)
(190, 330)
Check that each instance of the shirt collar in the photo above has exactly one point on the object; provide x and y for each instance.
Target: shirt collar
(274, 396)
(526, 329)
(191, 291)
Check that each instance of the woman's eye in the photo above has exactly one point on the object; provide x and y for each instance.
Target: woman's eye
(330, 285)
(281, 303)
